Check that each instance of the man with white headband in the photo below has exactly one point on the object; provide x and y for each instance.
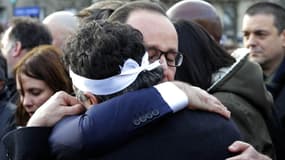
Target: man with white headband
(109, 61)
(127, 111)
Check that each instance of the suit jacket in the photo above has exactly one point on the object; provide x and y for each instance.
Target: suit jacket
(113, 122)
(185, 135)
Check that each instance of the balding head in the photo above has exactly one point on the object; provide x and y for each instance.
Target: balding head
(200, 12)
(158, 31)
(61, 24)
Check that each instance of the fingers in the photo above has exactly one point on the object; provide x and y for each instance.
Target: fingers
(239, 157)
(246, 152)
(214, 105)
(219, 108)
(202, 100)
(72, 110)
(222, 110)
(68, 99)
(55, 108)
(238, 146)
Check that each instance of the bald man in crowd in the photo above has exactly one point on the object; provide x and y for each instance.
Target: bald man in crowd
(61, 24)
(200, 12)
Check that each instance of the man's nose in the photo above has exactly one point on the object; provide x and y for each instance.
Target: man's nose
(250, 41)
(163, 62)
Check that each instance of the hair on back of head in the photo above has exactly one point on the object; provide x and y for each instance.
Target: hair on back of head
(122, 13)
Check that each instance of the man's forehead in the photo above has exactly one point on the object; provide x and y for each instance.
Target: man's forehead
(258, 20)
(144, 20)
(158, 31)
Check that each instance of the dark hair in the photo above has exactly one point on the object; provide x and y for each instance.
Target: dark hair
(1, 28)
(98, 49)
(277, 11)
(203, 56)
(3, 68)
(122, 13)
(43, 63)
(30, 32)
(99, 10)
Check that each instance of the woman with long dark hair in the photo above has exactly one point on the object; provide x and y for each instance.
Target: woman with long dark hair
(235, 81)
(39, 75)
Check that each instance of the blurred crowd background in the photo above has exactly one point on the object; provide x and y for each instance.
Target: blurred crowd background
(230, 11)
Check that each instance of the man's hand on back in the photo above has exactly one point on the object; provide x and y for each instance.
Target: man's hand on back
(247, 152)
(201, 100)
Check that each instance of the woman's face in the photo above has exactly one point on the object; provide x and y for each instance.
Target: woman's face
(33, 92)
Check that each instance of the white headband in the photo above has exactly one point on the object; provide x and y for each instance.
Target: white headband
(128, 75)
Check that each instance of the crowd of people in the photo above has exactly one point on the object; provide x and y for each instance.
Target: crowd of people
(136, 80)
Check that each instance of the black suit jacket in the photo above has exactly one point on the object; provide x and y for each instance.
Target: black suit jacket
(184, 135)
(187, 135)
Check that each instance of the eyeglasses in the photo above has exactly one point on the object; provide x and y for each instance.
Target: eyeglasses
(173, 58)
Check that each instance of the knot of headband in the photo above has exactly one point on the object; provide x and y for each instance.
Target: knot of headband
(129, 72)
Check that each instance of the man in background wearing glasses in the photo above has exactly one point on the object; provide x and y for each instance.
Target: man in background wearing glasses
(171, 138)
(159, 34)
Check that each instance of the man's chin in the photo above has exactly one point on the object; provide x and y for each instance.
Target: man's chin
(255, 58)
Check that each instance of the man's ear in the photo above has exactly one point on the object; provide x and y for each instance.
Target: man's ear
(17, 49)
(91, 98)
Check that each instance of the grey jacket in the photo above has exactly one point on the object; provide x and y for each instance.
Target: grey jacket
(241, 89)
